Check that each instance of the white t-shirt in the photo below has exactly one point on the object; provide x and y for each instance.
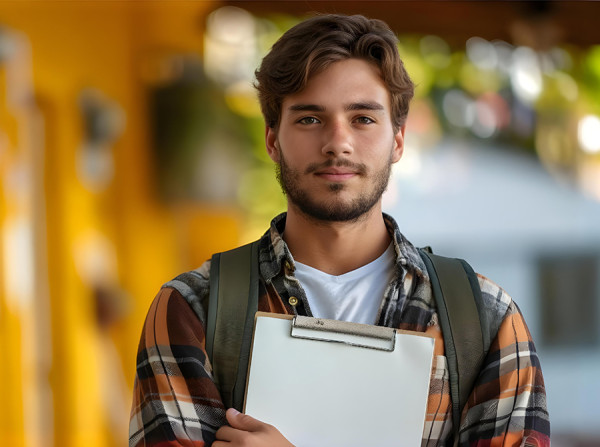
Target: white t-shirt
(354, 296)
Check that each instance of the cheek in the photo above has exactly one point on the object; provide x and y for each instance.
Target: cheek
(297, 148)
(377, 145)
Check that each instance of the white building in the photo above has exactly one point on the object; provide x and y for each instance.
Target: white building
(515, 223)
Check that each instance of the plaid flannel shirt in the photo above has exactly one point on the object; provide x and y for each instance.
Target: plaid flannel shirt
(176, 402)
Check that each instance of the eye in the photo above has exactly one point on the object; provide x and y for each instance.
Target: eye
(308, 120)
(364, 120)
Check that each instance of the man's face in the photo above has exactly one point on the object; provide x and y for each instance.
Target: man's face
(335, 143)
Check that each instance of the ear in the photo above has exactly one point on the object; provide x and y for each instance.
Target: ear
(398, 149)
(272, 143)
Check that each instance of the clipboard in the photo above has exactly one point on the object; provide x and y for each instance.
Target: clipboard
(331, 383)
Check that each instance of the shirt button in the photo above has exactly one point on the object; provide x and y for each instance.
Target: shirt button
(293, 301)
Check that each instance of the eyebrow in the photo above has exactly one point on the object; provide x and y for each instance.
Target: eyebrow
(366, 105)
(362, 105)
(306, 108)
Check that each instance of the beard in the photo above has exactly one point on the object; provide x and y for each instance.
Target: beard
(334, 209)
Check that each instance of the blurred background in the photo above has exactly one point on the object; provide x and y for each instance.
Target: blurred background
(131, 148)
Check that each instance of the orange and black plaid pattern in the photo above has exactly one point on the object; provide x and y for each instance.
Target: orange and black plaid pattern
(176, 402)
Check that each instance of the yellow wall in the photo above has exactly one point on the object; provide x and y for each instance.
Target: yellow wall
(107, 46)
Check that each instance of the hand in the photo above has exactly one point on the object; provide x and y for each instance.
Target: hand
(245, 431)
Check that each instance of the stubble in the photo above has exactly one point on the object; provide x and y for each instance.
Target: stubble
(334, 209)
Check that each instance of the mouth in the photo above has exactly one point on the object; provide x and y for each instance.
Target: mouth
(336, 174)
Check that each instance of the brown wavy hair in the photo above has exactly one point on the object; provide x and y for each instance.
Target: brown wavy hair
(311, 46)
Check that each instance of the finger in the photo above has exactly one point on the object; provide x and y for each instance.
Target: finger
(243, 421)
(226, 433)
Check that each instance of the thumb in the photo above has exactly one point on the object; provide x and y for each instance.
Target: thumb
(242, 421)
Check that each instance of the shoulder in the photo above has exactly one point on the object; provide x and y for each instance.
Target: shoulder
(502, 316)
(194, 287)
(497, 303)
(170, 321)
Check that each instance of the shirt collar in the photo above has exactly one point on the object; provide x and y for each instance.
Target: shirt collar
(274, 252)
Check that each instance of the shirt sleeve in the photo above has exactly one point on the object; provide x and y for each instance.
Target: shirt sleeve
(175, 400)
(508, 404)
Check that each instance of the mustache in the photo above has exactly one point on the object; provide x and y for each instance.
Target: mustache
(360, 168)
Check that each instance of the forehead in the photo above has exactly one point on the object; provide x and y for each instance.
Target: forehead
(342, 83)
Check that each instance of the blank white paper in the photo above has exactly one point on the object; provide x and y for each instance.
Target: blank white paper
(319, 393)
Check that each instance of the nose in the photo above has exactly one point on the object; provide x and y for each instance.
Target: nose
(338, 140)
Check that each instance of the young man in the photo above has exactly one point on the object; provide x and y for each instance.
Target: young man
(335, 96)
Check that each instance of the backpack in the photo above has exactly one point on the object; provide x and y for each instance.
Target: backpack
(233, 301)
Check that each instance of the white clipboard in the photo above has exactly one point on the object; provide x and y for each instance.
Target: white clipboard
(330, 383)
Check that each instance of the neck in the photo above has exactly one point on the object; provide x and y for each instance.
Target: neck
(336, 247)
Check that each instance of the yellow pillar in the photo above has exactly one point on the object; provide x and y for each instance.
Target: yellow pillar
(24, 295)
(54, 353)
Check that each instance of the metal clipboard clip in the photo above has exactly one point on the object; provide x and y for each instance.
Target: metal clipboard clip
(354, 334)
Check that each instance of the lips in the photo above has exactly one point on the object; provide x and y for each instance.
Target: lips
(336, 174)
(336, 170)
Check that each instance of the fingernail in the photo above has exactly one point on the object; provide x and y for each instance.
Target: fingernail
(234, 411)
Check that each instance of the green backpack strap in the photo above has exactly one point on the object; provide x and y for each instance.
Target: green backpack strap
(466, 341)
(232, 304)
